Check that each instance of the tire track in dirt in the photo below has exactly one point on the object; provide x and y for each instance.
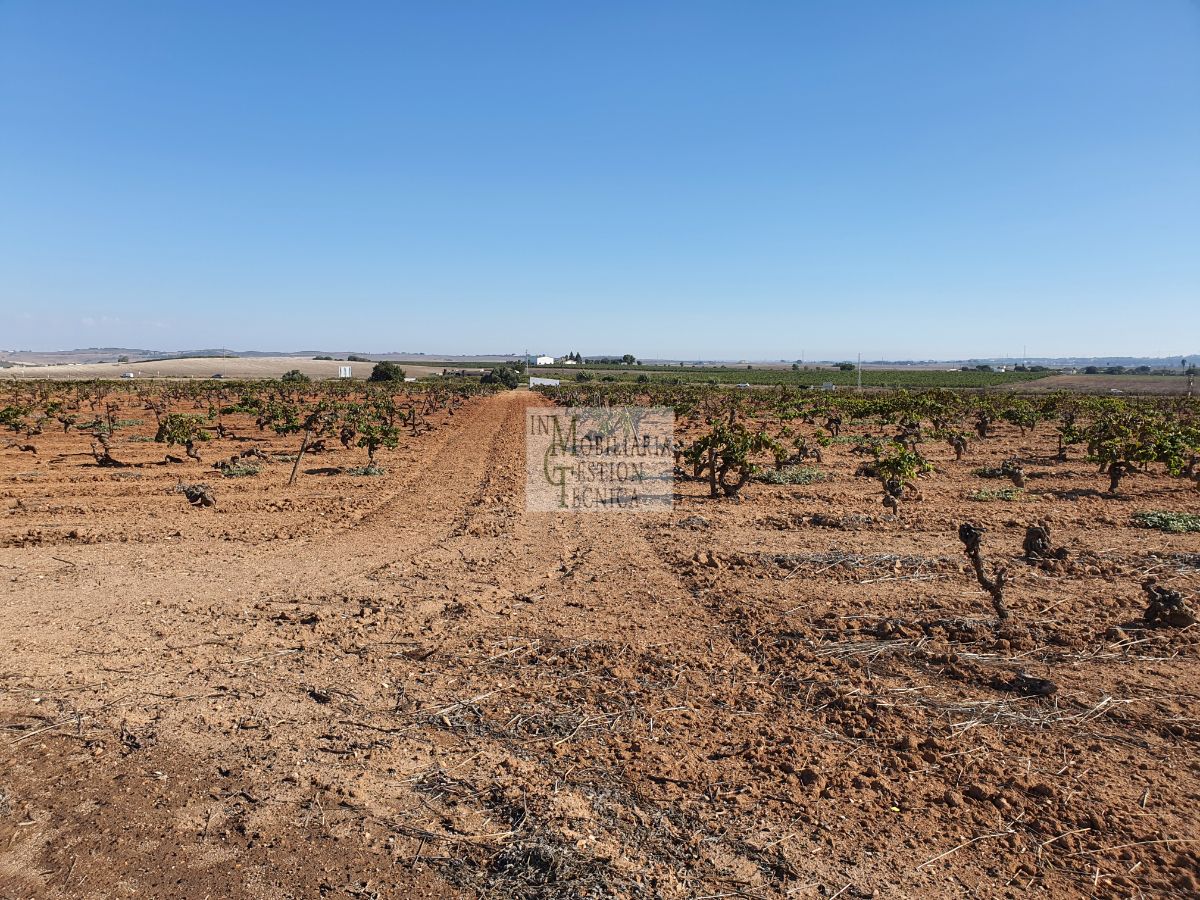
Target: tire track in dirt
(462, 522)
(436, 501)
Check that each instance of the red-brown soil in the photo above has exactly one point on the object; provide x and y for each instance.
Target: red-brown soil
(407, 686)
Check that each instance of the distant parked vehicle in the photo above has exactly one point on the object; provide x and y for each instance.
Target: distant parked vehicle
(127, 375)
(216, 375)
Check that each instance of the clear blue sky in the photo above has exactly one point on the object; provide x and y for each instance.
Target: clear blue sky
(757, 180)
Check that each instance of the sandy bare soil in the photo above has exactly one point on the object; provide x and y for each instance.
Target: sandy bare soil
(407, 686)
(232, 367)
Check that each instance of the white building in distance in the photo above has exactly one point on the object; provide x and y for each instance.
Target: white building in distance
(545, 361)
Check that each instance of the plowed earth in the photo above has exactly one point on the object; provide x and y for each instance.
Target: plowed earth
(407, 686)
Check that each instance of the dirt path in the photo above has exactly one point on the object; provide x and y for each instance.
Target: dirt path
(422, 690)
(195, 664)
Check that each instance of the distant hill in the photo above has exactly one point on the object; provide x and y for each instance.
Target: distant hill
(91, 355)
(94, 355)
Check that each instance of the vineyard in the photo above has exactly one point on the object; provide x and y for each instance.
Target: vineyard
(190, 414)
(911, 379)
(286, 638)
(1121, 436)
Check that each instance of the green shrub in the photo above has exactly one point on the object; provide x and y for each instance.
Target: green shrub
(510, 378)
(1004, 470)
(386, 371)
(368, 470)
(294, 375)
(239, 469)
(1174, 522)
(793, 475)
(998, 494)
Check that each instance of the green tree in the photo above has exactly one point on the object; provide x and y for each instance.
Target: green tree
(502, 375)
(294, 375)
(386, 371)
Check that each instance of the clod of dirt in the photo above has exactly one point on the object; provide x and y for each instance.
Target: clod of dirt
(1041, 789)
(1025, 685)
(693, 522)
(978, 793)
(1166, 607)
(848, 522)
(811, 778)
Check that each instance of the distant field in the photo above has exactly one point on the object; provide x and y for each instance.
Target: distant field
(1103, 384)
(892, 378)
(205, 367)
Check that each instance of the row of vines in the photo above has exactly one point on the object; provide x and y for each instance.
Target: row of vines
(728, 435)
(364, 415)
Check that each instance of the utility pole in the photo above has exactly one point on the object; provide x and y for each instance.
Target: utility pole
(858, 371)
